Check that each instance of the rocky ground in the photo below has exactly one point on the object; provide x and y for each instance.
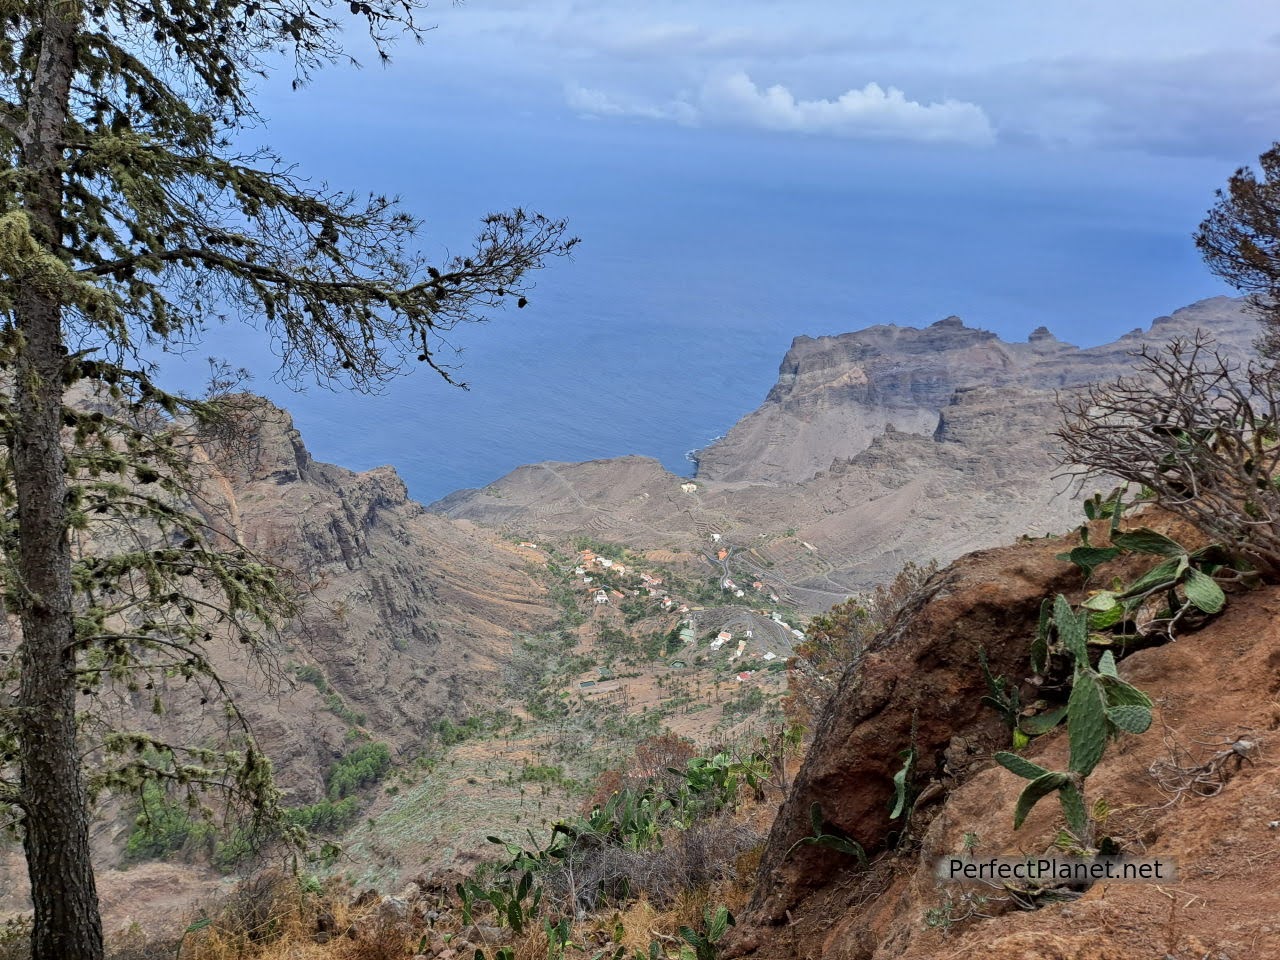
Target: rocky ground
(1216, 720)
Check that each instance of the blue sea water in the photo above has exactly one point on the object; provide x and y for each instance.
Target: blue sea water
(703, 255)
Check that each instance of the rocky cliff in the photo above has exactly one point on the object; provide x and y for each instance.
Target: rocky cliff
(407, 618)
(873, 449)
(834, 395)
(1197, 790)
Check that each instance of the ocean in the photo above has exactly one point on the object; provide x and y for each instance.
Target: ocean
(703, 254)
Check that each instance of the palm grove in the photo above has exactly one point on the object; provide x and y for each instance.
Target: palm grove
(129, 219)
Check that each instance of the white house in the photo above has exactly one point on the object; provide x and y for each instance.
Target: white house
(602, 597)
(688, 486)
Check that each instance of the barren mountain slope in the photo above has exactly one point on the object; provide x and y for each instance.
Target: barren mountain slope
(915, 445)
(408, 616)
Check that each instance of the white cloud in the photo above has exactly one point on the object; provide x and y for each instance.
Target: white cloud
(870, 113)
(597, 103)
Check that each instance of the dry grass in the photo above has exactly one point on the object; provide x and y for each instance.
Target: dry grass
(270, 917)
(639, 923)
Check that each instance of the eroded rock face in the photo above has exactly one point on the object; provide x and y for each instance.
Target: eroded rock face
(834, 395)
(409, 616)
(921, 685)
(1212, 688)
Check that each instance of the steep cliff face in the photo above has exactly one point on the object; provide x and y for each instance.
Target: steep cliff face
(874, 448)
(834, 395)
(408, 616)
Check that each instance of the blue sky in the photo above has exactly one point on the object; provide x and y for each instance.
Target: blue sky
(745, 172)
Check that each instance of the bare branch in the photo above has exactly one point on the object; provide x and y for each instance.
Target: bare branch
(1198, 433)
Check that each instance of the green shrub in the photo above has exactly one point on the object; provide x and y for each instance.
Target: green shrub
(338, 707)
(542, 773)
(326, 816)
(164, 826)
(309, 673)
(366, 764)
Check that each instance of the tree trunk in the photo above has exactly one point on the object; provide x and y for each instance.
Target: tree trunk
(52, 796)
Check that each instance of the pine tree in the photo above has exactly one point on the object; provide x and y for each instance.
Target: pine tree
(127, 216)
(1240, 242)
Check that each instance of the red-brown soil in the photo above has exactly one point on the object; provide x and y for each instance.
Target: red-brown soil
(1213, 687)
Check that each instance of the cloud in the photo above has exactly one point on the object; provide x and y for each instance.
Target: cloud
(671, 42)
(1219, 104)
(597, 103)
(870, 113)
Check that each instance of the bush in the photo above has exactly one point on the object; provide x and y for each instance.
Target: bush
(837, 638)
(338, 707)
(365, 765)
(611, 875)
(1199, 434)
(309, 673)
(325, 816)
(542, 773)
(163, 826)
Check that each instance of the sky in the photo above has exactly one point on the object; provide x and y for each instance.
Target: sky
(742, 173)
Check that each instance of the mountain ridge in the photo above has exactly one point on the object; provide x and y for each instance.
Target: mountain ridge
(859, 460)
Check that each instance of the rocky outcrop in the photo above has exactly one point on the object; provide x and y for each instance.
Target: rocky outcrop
(921, 684)
(834, 395)
(918, 686)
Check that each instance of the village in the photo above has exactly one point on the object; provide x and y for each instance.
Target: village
(734, 626)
